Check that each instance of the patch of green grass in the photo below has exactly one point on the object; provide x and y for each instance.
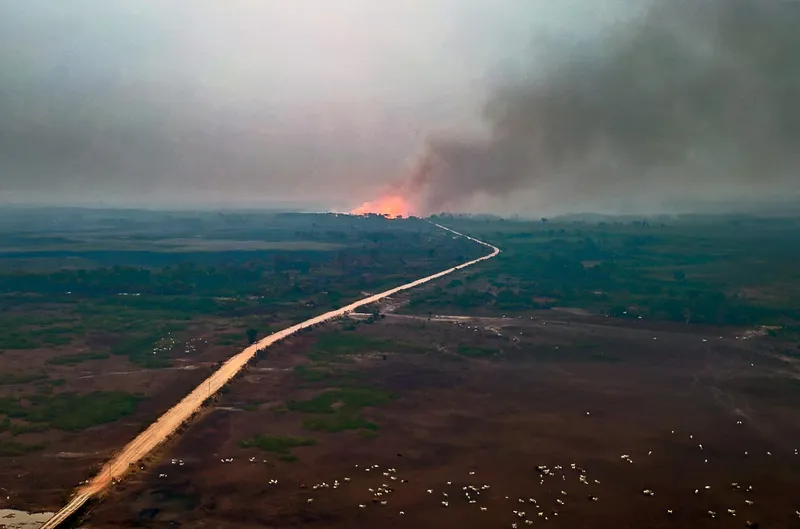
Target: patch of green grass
(124, 321)
(335, 347)
(19, 428)
(231, 338)
(344, 420)
(55, 339)
(57, 335)
(339, 409)
(342, 399)
(56, 330)
(368, 434)
(34, 338)
(74, 359)
(16, 340)
(251, 405)
(472, 351)
(20, 378)
(325, 374)
(38, 320)
(310, 374)
(288, 458)
(277, 444)
(70, 411)
(139, 351)
(13, 448)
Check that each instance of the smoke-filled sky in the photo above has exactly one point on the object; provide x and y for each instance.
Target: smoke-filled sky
(581, 103)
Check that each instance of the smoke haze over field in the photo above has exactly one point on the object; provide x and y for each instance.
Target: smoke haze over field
(500, 105)
(697, 100)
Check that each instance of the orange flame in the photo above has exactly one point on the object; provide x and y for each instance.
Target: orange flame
(392, 206)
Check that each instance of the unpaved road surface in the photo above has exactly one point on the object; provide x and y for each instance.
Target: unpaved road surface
(175, 416)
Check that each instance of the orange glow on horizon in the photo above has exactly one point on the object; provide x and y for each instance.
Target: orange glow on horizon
(392, 206)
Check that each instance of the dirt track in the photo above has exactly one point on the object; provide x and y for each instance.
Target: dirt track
(165, 425)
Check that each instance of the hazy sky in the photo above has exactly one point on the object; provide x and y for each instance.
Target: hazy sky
(320, 101)
(250, 101)
(689, 102)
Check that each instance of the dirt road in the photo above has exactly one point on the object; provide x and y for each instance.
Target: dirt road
(165, 425)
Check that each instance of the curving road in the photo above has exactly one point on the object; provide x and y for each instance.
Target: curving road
(165, 425)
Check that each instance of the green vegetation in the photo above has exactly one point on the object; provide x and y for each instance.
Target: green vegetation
(75, 359)
(116, 282)
(33, 332)
(130, 257)
(310, 374)
(340, 409)
(332, 347)
(17, 340)
(709, 270)
(472, 351)
(20, 428)
(56, 339)
(323, 373)
(343, 420)
(251, 405)
(144, 351)
(368, 434)
(14, 449)
(277, 444)
(336, 346)
(340, 399)
(71, 411)
(230, 338)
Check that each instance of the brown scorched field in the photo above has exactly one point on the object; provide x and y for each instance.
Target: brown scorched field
(553, 419)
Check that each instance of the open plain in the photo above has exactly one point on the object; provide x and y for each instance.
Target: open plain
(613, 373)
(562, 421)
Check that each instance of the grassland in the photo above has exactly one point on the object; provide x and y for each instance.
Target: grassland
(281, 445)
(338, 346)
(95, 304)
(472, 351)
(10, 448)
(75, 359)
(70, 411)
(708, 270)
(340, 409)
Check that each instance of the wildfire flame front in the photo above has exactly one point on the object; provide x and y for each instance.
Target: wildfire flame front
(392, 206)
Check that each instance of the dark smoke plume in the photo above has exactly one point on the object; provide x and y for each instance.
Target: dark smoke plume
(697, 99)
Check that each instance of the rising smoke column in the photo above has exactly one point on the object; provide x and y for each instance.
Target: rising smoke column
(697, 99)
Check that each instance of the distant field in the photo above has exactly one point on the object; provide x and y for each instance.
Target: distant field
(215, 245)
(710, 270)
(76, 247)
(110, 317)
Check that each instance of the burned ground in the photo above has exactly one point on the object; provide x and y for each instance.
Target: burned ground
(691, 408)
